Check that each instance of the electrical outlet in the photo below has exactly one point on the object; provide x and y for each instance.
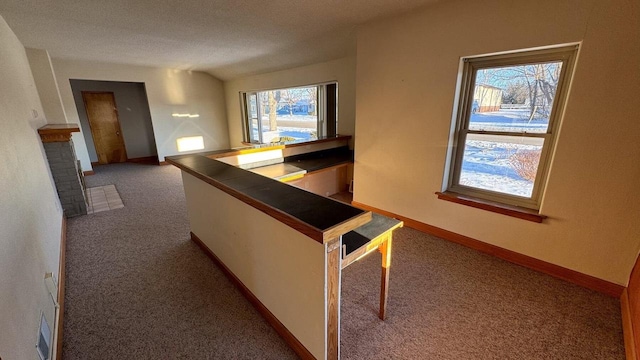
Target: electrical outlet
(43, 342)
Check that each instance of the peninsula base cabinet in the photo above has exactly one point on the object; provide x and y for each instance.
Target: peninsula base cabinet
(324, 182)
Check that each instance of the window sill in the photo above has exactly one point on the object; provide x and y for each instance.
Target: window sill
(509, 210)
(295, 143)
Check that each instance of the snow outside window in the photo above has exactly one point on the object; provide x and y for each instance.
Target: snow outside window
(506, 122)
(289, 115)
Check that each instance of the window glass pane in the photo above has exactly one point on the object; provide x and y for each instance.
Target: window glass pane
(515, 98)
(253, 107)
(289, 114)
(252, 110)
(505, 164)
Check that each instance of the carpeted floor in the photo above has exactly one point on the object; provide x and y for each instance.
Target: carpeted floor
(138, 288)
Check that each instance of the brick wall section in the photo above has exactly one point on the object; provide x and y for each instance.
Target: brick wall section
(65, 172)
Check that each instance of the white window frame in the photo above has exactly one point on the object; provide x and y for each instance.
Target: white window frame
(469, 66)
(321, 105)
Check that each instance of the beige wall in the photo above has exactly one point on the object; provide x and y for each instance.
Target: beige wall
(168, 91)
(341, 70)
(282, 267)
(47, 85)
(406, 79)
(30, 213)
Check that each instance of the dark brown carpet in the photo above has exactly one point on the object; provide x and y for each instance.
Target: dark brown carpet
(138, 288)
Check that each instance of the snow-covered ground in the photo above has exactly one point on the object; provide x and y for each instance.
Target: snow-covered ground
(298, 133)
(296, 117)
(487, 164)
(516, 120)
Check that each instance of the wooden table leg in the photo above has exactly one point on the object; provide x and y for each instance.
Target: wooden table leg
(333, 299)
(385, 249)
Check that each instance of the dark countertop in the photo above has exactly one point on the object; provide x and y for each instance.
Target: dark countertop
(361, 236)
(321, 159)
(321, 163)
(318, 217)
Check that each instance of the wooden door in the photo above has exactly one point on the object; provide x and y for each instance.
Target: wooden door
(105, 127)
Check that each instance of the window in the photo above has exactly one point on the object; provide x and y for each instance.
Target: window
(294, 114)
(507, 119)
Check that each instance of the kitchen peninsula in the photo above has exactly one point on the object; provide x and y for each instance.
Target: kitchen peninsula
(283, 246)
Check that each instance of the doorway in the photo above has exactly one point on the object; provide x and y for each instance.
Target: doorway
(106, 132)
(133, 114)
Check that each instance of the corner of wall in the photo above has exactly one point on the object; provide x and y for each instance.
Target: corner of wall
(630, 306)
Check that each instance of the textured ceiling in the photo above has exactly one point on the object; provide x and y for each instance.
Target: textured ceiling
(226, 38)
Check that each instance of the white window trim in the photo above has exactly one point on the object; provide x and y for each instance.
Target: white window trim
(461, 115)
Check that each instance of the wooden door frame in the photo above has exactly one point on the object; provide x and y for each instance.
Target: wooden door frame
(93, 136)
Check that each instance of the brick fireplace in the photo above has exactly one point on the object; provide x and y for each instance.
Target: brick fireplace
(65, 167)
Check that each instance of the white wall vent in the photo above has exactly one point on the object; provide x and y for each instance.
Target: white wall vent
(44, 339)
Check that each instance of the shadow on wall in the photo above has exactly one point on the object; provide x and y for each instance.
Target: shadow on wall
(133, 114)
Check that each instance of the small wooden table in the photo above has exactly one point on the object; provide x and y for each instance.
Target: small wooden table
(376, 234)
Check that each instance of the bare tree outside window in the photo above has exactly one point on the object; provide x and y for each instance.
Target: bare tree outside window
(274, 97)
(533, 86)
